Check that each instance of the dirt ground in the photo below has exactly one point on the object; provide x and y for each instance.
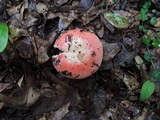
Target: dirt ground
(32, 89)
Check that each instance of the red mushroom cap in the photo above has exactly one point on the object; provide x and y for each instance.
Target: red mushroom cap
(81, 54)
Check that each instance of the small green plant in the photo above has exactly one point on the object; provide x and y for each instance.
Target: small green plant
(148, 86)
(3, 36)
(147, 90)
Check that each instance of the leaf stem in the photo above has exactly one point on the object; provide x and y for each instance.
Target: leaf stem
(151, 60)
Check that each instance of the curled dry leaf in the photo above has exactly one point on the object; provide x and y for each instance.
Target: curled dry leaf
(110, 51)
(20, 81)
(15, 27)
(116, 20)
(41, 47)
(14, 34)
(15, 11)
(122, 19)
(29, 20)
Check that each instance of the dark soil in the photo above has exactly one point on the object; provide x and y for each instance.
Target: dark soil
(30, 87)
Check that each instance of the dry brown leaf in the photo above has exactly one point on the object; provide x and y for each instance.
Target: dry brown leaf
(20, 81)
(65, 20)
(14, 10)
(31, 97)
(60, 113)
(110, 50)
(157, 23)
(40, 48)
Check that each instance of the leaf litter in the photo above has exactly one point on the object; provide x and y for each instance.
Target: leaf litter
(30, 88)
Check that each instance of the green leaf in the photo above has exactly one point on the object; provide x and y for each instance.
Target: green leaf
(147, 40)
(144, 16)
(156, 74)
(156, 43)
(154, 11)
(147, 90)
(153, 20)
(147, 5)
(148, 57)
(3, 36)
(116, 20)
(142, 28)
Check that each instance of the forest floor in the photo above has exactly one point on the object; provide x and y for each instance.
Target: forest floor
(31, 88)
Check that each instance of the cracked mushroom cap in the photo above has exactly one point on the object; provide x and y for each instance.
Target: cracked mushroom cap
(80, 56)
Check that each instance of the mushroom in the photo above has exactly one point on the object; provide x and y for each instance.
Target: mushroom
(80, 54)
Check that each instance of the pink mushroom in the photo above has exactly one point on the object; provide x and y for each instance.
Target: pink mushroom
(81, 54)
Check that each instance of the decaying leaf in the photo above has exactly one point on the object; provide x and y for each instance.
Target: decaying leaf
(73, 114)
(157, 23)
(41, 8)
(124, 57)
(60, 113)
(20, 81)
(14, 34)
(65, 20)
(25, 48)
(84, 5)
(110, 51)
(3, 86)
(106, 115)
(41, 48)
(1, 104)
(129, 108)
(99, 102)
(130, 82)
(116, 20)
(31, 96)
(142, 67)
(143, 114)
(122, 19)
(15, 10)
